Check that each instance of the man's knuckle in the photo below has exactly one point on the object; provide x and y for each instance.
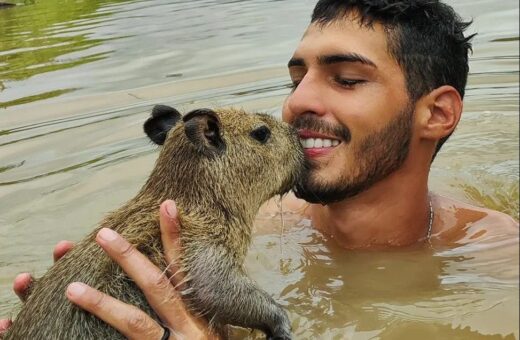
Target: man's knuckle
(157, 283)
(162, 282)
(98, 302)
(127, 251)
(138, 322)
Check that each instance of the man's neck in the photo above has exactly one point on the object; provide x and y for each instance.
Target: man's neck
(393, 212)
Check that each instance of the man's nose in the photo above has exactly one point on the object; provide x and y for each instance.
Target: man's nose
(307, 97)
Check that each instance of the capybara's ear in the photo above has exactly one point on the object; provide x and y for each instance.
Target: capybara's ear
(202, 127)
(162, 120)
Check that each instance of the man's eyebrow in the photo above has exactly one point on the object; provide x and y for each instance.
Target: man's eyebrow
(345, 58)
(296, 62)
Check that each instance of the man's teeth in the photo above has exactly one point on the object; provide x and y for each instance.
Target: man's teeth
(309, 143)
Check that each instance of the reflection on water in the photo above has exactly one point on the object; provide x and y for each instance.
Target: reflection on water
(495, 195)
(46, 36)
(68, 160)
(402, 294)
(115, 45)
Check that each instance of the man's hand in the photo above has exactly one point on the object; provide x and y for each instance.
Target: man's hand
(130, 321)
(127, 319)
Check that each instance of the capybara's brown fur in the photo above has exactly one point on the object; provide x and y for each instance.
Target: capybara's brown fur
(219, 166)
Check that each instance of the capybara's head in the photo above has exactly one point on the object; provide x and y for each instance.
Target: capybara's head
(225, 154)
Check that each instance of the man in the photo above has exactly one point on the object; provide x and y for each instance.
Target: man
(377, 89)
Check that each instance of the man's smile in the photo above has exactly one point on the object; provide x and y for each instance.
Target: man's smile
(316, 144)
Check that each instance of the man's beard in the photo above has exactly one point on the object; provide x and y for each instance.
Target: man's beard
(377, 156)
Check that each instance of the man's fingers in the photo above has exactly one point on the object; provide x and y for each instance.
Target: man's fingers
(21, 285)
(23, 281)
(156, 286)
(170, 236)
(127, 319)
(61, 249)
(4, 325)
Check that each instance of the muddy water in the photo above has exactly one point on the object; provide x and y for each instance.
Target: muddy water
(78, 78)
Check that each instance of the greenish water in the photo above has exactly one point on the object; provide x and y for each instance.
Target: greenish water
(42, 36)
(78, 78)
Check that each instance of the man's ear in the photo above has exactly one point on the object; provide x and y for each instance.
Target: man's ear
(438, 113)
(203, 129)
(162, 120)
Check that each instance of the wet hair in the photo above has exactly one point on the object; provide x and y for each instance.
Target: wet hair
(426, 38)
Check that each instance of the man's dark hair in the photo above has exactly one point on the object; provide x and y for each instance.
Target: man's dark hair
(426, 37)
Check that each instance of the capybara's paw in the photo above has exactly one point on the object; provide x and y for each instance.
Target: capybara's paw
(282, 331)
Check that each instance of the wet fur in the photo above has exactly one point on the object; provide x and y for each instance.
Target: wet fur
(218, 194)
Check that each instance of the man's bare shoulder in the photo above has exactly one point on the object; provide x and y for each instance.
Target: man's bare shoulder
(457, 220)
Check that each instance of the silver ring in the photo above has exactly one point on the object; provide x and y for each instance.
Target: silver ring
(166, 334)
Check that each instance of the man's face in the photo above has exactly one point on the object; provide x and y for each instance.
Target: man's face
(351, 108)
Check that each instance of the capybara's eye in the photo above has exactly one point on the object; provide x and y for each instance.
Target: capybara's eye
(261, 134)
